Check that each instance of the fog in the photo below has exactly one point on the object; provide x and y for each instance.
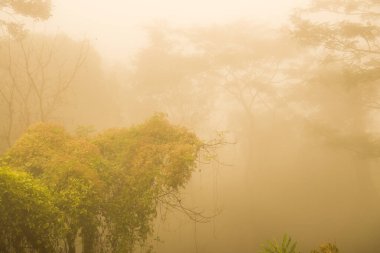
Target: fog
(116, 28)
(283, 94)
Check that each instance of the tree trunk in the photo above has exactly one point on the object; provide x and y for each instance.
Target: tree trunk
(70, 239)
(88, 239)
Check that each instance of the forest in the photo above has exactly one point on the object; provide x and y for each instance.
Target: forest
(211, 137)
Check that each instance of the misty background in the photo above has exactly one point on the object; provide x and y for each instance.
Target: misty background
(291, 86)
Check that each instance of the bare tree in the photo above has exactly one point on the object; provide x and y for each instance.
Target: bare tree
(37, 72)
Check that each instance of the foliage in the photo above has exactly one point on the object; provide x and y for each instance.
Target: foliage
(286, 246)
(146, 162)
(12, 10)
(29, 216)
(108, 186)
(38, 9)
(347, 35)
(66, 164)
(327, 248)
(351, 26)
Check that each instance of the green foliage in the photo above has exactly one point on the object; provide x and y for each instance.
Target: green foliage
(29, 216)
(109, 183)
(286, 246)
(327, 248)
(154, 149)
(144, 162)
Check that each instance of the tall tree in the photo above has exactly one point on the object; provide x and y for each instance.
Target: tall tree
(36, 77)
(108, 186)
(341, 89)
(348, 76)
(209, 75)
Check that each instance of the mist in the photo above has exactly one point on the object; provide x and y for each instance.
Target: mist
(203, 126)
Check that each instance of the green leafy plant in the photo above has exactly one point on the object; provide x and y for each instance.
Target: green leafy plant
(29, 218)
(287, 245)
(327, 248)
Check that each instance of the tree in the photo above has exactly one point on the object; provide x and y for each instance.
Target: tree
(149, 164)
(65, 164)
(350, 28)
(53, 78)
(35, 80)
(165, 78)
(347, 80)
(108, 186)
(12, 30)
(199, 81)
(13, 11)
(341, 89)
(285, 103)
(45, 78)
(30, 220)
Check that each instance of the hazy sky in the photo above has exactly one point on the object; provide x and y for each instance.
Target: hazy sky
(114, 26)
